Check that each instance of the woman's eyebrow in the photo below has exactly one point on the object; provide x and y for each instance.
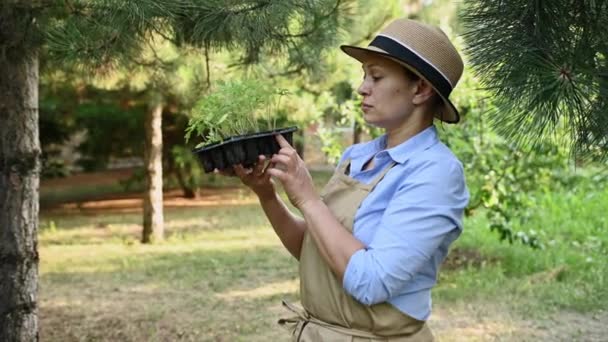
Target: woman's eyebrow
(368, 66)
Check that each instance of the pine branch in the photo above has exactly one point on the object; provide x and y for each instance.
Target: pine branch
(545, 64)
(267, 30)
(246, 8)
(160, 32)
(102, 32)
(371, 32)
(290, 72)
(107, 33)
(315, 25)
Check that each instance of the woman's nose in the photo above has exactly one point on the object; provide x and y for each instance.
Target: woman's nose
(364, 88)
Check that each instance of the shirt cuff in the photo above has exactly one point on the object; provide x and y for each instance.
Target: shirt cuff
(353, 273)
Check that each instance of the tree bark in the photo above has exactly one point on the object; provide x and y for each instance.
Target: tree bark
(153, 197)
(19, 180)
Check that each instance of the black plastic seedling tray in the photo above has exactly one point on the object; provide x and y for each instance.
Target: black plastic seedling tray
(242, 149)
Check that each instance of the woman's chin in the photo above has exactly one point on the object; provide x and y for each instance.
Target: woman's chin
(369, 119)
(373, 121)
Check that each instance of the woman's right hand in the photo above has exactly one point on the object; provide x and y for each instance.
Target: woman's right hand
(257, 178)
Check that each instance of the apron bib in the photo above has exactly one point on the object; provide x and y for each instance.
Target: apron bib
(330, 313)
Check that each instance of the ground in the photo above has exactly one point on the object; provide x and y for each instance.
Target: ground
(221, 276)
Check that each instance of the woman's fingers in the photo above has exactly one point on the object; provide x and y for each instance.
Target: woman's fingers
(240, 171)
(258, 169)
(282, 141)
(266, 174)
(256, 175)
(281, 159)
(288, 151)
(277, 173)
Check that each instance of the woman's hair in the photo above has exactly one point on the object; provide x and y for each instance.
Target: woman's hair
(410, 74)
(436, 100)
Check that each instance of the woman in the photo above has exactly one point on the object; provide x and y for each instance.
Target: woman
(371, 242)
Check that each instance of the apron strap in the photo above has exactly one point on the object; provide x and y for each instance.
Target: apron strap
(375, 182)
(303, 318)
(345, 166)
(342, 169)
(297, 323)
(299, 311)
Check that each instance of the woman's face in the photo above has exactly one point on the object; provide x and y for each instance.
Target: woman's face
(387, 92)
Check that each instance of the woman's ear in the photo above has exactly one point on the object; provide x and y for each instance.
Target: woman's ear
(423, 92)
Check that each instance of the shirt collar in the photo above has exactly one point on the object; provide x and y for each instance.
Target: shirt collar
(419, 142)
(402, 152)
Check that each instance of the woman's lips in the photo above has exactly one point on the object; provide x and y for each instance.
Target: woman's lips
(365, 107)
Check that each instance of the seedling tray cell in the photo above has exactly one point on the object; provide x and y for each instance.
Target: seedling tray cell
(243, 149)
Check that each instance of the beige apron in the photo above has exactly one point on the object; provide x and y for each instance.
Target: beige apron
(331, 314)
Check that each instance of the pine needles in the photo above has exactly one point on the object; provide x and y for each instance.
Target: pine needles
(545, 62)
(102, 32)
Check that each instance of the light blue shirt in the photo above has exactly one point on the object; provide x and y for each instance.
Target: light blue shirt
(406, 223)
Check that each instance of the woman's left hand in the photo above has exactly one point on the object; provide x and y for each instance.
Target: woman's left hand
(291, 171)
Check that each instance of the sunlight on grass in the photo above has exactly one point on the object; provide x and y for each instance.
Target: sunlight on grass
(490, 322)
(267, 290)
(83, 258)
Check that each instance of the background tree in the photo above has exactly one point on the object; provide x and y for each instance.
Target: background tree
(545, 62)
(19, 168)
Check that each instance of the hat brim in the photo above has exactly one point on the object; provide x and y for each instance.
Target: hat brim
(447, 113)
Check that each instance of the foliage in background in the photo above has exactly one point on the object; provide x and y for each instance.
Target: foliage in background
(546, 63)
(112, 131)
(110, 122)
(56, 124)
(504, 181)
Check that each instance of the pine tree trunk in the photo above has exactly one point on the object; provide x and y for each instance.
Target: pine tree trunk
(357, 133)
(19, 180)
(189, 191)
(153, 197)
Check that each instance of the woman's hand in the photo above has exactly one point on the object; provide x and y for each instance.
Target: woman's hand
(257, 178)
(292, 173)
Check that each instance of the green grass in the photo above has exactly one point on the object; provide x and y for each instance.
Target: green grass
(220, 268)
(221, 273)
(571, 272)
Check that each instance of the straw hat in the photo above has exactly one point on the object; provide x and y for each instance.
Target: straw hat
(423, 49)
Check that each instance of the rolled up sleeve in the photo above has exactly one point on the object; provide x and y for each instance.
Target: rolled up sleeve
(426, 208)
